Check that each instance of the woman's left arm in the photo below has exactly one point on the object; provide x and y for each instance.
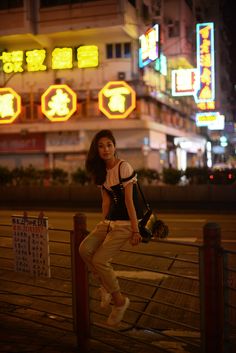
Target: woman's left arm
(136, 237)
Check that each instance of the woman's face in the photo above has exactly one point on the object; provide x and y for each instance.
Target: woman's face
(106, 148)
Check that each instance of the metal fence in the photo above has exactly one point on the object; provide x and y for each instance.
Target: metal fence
(182, 294)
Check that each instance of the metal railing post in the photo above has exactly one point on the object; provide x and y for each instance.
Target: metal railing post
(212, 291)
(80, 288)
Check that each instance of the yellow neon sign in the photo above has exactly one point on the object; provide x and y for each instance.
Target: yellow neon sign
(59, 102)
(205, 63)
(206, 105)
(87, 56)
(62, 58)
(117, 100)
(12, 61)
(35, 60)
(10, 105)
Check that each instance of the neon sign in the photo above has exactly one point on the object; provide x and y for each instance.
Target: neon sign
(35, 60)
(59, 102)
(87, 56)
(12, 61)
(161, 64)
(117, 100)
(10, 105)
(149, 46)
(203, 119)
(206, 105)
(183, 82)
(205, 62)
(61, 58)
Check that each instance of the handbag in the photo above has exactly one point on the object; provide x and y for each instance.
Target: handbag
(150, 226)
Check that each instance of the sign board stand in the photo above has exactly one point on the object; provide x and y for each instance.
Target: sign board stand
(31, 244)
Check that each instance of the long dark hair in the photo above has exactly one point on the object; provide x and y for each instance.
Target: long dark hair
(94, 164)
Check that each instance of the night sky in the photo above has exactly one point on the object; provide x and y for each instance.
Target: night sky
(230, 23)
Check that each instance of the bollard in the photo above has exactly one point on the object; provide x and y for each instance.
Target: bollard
(213, 300)
(80, 291)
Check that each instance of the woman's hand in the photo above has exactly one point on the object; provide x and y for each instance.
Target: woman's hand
(135, 238)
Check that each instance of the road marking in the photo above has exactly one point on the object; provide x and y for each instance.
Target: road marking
(187, 239)
(228, 240)
(141, 274)
(182, 333)
(186, 220)
(175, 347)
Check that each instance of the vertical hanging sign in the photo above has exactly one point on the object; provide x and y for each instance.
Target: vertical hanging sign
(205, 63)
(31, 245)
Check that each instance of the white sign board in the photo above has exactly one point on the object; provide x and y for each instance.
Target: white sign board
(31, 245)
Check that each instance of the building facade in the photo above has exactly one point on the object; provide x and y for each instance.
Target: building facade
(73, 49)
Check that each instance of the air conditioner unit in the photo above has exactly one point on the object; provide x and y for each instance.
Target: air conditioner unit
(121, 75)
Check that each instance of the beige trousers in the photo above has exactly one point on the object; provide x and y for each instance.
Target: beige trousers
(100, 246)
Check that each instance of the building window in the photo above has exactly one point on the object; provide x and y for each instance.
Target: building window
(173, 29)
(109, 50)
(127, 50)
(118, 50)
(132, 2)
(10, 4)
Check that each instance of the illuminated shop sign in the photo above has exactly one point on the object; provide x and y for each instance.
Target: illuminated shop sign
(149, 46)
(161, 64)
(10, 105)
(213, 120)
(59, 102)
(117, 100)
(206, 105)
(205, 62)
(218, 124)
(61, 58)
(87, 56)
(183, 82)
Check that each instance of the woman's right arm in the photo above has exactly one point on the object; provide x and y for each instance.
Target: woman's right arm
(105, 203)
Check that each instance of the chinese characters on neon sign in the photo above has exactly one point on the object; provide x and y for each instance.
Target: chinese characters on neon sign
(183, 82)
(213, 120)
(205, 63)
(59, 102)
(61, 58)
(149, 46)
(10, 105)
(117, 100)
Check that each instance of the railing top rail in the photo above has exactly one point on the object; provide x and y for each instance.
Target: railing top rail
(230, 252)
(49, 228)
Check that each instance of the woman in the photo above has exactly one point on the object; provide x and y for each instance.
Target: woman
(120, 219)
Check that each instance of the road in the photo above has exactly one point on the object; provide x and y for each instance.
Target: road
(182, 226)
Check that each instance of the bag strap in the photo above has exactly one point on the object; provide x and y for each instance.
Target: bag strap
(121, 180)
(143, 197)
(139, 187)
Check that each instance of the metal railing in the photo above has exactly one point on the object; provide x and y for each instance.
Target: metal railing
(182, 294)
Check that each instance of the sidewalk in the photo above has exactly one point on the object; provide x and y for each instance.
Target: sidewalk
(22, 336)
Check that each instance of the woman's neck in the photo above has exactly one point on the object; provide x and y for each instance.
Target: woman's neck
(111, 163)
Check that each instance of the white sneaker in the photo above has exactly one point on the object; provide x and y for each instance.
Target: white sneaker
(117, 313)
(105, 298)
